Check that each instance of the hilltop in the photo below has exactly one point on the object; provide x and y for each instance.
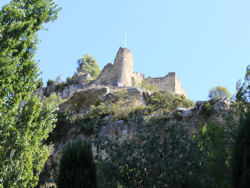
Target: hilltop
(116, 105)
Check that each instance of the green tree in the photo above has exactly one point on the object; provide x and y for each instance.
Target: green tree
(212, 140)
(24, 121)
(88, 64)
(241, 155)
(219, 93)
(241, 150)
(77, 168)
(243, 92)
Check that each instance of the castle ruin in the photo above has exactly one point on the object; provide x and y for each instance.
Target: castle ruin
(118, 74)
(121, 73)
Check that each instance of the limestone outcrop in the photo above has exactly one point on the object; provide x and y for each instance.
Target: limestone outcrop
(83, 98)
(191, 118)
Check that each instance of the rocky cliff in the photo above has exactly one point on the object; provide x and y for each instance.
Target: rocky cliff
(113, 111)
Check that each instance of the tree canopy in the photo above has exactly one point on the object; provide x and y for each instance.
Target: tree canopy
(88, 64)
(219, 93)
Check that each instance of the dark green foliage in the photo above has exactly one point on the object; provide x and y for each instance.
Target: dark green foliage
(212, 140)
(140, 111)
(91, 120)
(60, 86)
(77, 168)
(168, 101)
(50, 82)
(241, 155)
(40, 83)
(71, 80)
(63, 124)
(159, 155)
(243, 94)
(207, 108)
(177, 116)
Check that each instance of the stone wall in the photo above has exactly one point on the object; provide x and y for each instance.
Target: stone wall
(178, 87)
(170, 82)
(137, 78)
(120, 73)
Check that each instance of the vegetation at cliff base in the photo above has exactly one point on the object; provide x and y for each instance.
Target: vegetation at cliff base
(161, 155)
(77, 167)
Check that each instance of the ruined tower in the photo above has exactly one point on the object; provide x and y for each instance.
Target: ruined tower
(124, 64)
(121, 72)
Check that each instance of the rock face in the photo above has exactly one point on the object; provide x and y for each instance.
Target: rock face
(83, 98)
(191, 118)
(221, 105)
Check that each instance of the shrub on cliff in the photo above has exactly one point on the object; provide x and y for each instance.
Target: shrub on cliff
(219, 93)
(77, 168)
(88, 64)
(167, 101)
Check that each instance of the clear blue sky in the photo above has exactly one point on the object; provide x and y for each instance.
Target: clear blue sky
(206, 42)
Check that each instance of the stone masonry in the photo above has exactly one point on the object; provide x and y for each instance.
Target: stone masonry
(118, 74)
(121, 74)
(170, 82)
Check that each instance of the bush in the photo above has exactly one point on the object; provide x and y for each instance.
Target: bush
(77, 168)
(219, 93)
(168, 101)
(177, 116)
(121, 95)
(60, 86)
(50, 82)
(207, 108)
(91, 120)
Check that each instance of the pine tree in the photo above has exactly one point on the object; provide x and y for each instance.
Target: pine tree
(88, 64)
(24, 121)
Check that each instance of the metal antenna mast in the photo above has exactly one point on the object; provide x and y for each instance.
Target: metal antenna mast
(125, 45)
